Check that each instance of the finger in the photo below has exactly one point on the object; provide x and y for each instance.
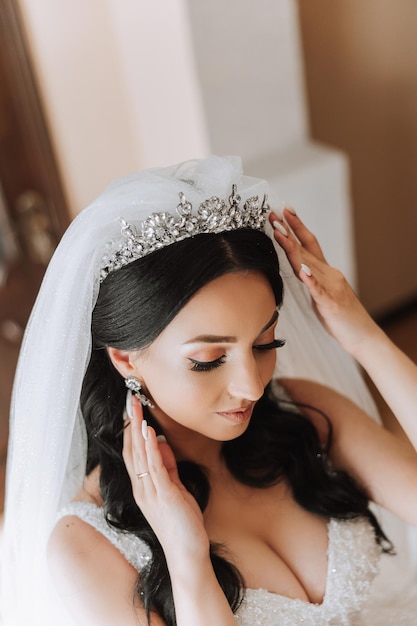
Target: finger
(138, 426)
(299, 257)
(134, 451)
(161, 462)
(278, 225)
(127, 452)
(293, 229)
(288, 242)
(129, 457)
(169, 460)
(310, 277)
(327, 285)
(303, 234)
(314, 285)
(127, 447)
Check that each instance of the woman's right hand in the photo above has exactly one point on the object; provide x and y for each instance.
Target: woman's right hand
(177, 521)
(168, 506)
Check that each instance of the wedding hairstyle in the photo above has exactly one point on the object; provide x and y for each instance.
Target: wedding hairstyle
(134, 305)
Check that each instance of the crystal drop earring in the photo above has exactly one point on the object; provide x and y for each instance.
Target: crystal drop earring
(135, 387)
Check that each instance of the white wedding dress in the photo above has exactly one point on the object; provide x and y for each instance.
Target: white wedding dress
(353, 558)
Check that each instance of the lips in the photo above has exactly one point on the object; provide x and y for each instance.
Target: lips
(237, 416)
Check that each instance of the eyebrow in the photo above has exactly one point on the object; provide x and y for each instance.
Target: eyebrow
(228, 339)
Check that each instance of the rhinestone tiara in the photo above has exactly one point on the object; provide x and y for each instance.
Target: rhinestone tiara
(162, 229)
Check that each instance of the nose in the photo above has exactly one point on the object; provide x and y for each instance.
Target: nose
(245, 380)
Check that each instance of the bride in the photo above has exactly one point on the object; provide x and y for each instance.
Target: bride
(167, 465)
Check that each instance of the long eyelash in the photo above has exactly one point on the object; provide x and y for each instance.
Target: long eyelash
(206, 366)
(277, 343)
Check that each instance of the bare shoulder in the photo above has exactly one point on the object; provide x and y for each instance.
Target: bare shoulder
(333, 404)
(310, 392)
(349, 421)
(78, 554)
(92, 577)
(384, 464)
(73, 540)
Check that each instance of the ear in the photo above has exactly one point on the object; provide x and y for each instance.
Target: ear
(123, 361)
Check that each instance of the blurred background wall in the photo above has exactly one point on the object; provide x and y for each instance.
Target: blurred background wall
(137, 83)
(360, 60)
(319, 97)
(118, 84)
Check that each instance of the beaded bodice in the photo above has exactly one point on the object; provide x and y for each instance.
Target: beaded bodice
(352, 564)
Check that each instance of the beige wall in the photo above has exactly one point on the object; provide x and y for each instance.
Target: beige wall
(361, 72)
(118, 85)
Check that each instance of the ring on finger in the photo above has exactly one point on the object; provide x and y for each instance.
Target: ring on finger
(142, 475)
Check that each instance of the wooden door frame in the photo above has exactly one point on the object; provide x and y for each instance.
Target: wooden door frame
(30, 149)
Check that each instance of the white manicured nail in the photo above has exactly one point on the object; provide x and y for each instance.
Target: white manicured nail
(145, 429)
(161, 439)
(129, 404)
(280, 228)
(288, 207)
(306, 269)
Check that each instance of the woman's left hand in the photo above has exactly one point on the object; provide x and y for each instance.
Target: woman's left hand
(335, 302)
(393, 373)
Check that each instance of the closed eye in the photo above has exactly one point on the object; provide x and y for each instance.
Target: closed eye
(277, 343)
(206, 366)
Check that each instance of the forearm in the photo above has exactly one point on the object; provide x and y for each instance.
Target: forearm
(198, 597)
(394, 375)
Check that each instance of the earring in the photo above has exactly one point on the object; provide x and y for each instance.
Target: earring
(135, 387)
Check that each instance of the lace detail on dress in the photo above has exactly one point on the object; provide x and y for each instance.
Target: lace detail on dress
(133, 549)
(352, 564)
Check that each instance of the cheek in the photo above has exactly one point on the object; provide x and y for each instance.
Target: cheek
(175, 388)
(187, 401)
(267, 367)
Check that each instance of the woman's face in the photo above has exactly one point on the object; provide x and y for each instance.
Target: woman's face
(211, 364)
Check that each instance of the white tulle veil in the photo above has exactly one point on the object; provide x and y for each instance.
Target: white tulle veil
(47, 450)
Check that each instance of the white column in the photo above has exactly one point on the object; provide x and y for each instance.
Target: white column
(251, 74)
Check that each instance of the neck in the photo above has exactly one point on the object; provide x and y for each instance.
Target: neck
(198, 449)
(90, 490)
(189, 445)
